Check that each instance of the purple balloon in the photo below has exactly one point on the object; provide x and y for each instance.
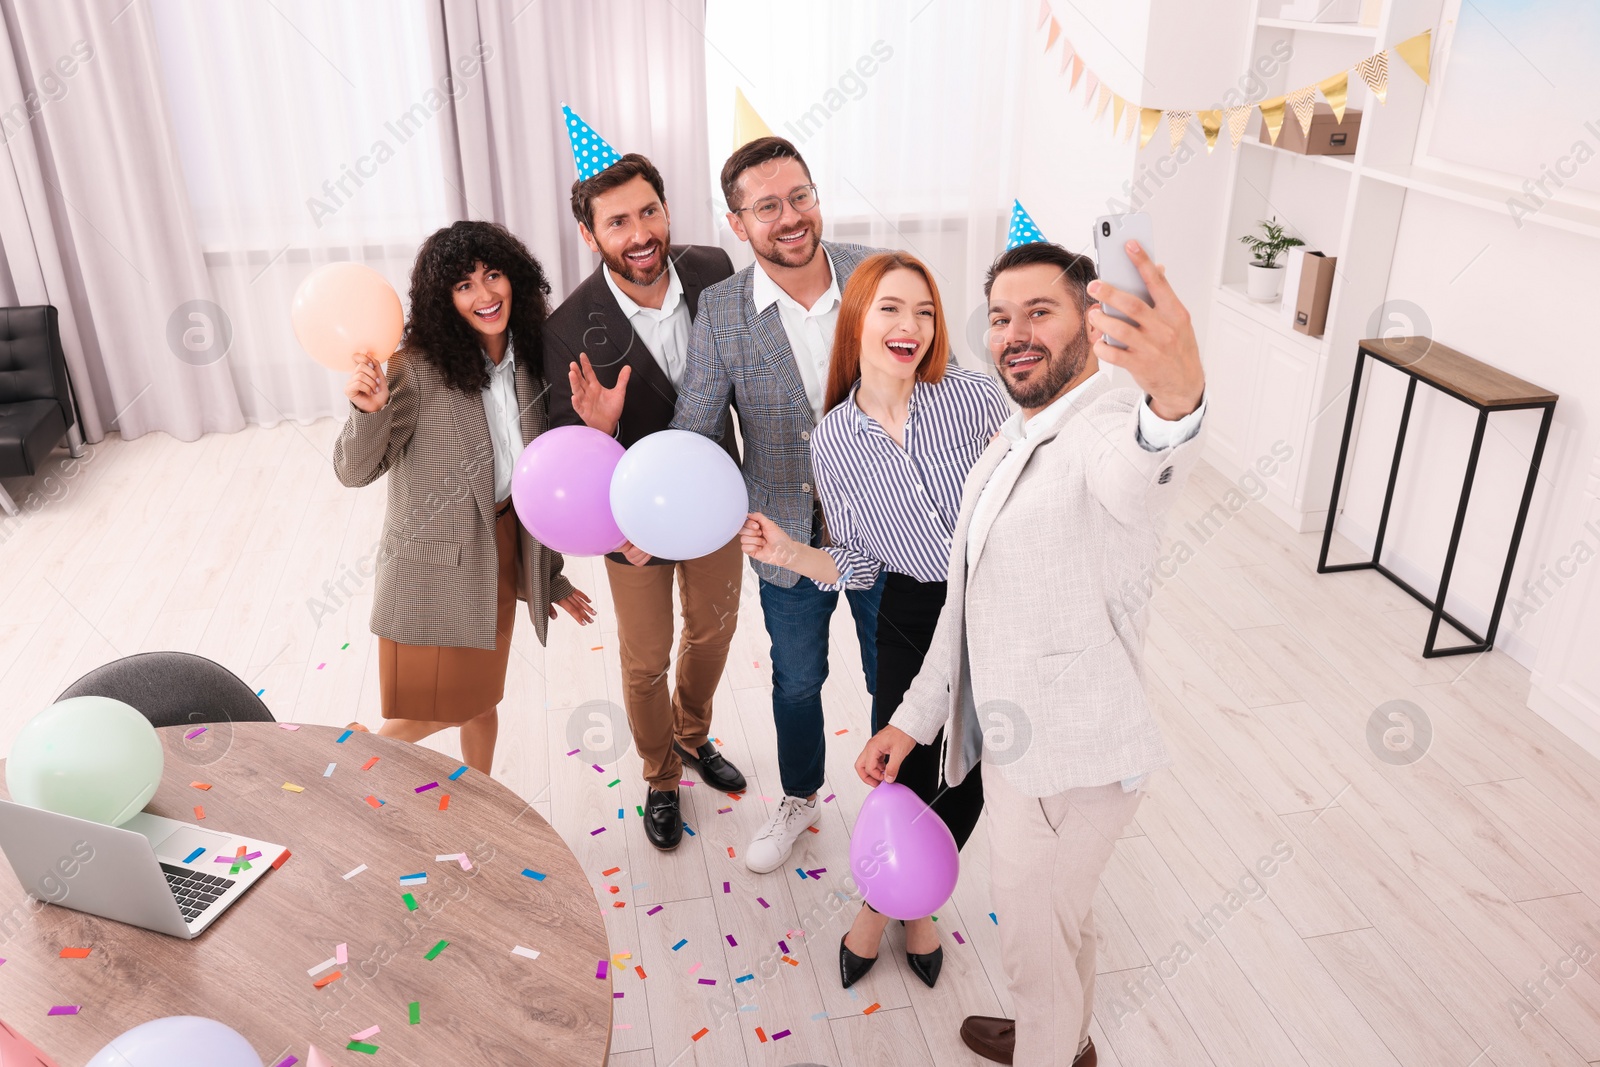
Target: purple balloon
(902, 855)
(561, 488)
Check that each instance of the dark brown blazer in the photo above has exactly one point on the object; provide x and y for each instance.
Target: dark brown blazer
(589, 320)
(437, 565)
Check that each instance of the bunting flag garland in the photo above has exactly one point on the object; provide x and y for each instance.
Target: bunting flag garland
(1302, 101)
(1374, 71)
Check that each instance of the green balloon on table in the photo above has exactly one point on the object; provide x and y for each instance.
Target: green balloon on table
(89, 757)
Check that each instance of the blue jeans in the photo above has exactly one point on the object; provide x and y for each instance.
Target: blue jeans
(797, 620)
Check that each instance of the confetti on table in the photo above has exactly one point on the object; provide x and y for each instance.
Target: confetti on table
(363, 1035)
(411, 901)
(420, 878)
(696, 1036)
(537, 876)
(433, 953)
(291, 787)
(444, 802)
(707, 981)
(287, 1061)
(342, 738)
(199, 812)
(342, 953)
(75, 953)
(451, 856)
(530, 953)
(869, 1009)
(196, 732)
(466, 864)
(653, 910)
(196, 854)
(325, 979)
(374, 801)
(362, 1046)
(329, 772)
(762, 902)
(680, 944)
(64, 1009)
(367, 766)
(957, 935)
(600, 969)
(414, 1010)
(731, 941)
(288, 726)
(425, 788)
(355, 872)
(200, 785)
(458, 772)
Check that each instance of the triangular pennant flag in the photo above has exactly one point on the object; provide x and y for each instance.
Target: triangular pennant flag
(1044, 14)
(1304, 103)
(590, 152)
(1067, 52)
(1211, 123)
(1336, 90)
(1272, 117)
(1178, 125)
(1077, 72)
(747, 125)
(1238, 119)
(1089, 86)
(1023, 231)
(1055, 31)
(1117, 104)
(1148, 117)
(1101, 100)
(1133, 120)
(1374, 70)
(1415, 51)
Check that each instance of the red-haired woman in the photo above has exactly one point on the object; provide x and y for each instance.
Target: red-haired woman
(903, 428)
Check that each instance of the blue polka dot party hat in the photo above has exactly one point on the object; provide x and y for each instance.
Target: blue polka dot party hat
(1023, 231)
(590, 152)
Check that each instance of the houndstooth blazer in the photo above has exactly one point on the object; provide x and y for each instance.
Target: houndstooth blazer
(1043, 626)
(733, 350)
(437, 565)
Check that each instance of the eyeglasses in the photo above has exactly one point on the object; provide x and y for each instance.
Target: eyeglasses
(769, 208)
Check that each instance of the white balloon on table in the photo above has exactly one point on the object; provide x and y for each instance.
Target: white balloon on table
(178, 1041)
(678, 495)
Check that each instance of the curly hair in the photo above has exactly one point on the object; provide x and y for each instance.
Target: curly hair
(438, 333)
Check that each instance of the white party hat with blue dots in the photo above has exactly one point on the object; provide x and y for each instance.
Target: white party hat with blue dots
(1023, 231)
(590, 152)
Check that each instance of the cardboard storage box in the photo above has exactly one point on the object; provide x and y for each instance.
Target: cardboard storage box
(1327, 138)
(1316, 288)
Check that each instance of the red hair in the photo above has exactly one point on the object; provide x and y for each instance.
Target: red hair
(844, 367)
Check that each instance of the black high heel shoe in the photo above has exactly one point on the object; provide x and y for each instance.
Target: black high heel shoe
(851, 966)
(926, 965)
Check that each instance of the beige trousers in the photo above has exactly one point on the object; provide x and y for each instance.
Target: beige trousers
(1046, 858)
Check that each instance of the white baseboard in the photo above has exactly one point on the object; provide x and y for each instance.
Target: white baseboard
(1568, 712)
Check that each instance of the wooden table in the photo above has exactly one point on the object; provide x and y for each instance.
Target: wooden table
(479, 1003)
(1480, 386)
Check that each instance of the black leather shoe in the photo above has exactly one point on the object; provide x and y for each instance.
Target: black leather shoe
(717, 772)
(926, 966)
(851, 966)
(663, 822)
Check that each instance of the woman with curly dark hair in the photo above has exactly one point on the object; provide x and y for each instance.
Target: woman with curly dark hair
(446, 422)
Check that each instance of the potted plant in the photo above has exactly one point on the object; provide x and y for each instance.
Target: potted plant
(1264, 277)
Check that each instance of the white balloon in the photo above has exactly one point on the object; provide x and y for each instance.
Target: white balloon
(178, 1041)
(678, 495)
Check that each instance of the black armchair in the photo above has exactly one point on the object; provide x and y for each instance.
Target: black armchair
(36, 406)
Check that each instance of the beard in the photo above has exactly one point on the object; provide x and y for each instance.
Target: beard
(620, 265)
(1050, 376)
(785, 256)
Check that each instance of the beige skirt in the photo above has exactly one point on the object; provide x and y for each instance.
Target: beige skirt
(443, 684)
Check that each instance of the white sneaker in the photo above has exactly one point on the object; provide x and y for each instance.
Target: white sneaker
(772, 844)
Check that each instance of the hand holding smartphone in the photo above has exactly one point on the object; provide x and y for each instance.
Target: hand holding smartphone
(1111, 236)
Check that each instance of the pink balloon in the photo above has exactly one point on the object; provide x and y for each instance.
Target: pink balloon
(561, 488)
(902, 855)
(344, 308)
(18, 1051)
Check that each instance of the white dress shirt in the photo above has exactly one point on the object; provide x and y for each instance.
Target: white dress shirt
(505, 420)
(810, 330)
(664, 330)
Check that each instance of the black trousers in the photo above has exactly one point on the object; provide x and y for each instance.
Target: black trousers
(907, 615)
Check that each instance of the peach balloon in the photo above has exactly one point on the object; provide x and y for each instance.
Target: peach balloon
(345, 308)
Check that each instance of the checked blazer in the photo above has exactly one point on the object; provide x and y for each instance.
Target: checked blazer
(437, 566)
(734, 351)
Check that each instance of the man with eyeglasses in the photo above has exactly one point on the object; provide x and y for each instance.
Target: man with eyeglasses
(764, 337)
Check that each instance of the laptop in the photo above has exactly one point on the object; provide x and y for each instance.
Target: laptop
(152, 872)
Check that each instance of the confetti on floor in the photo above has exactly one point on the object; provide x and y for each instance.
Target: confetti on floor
(321, 665)
(688, 830)
(836, 733)
(530, 953)
(613, 782)
(780, 1035)
(653, 910)
(869, 1009)
(762, 902)
(680, 944)
(696, 967)
(640, 972)
(609, 873)
(259, 692)
(696, 1036)
(730, 852)
(708, 981)
(993, 919)
(599, 831)
(957, 935)
(744, 978)
(827, 798)
(575, 751)
(731, 941)
(344, 646)
(75, 953)
(355, 872)
(725, 885)
(724, 811)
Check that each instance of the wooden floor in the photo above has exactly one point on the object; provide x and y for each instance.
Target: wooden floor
(1408, 908)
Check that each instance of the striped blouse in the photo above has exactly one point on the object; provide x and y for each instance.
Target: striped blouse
(894, 507)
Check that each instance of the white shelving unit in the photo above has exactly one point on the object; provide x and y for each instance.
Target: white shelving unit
(1269, 383)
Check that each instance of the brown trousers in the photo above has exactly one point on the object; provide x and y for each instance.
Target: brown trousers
(1047, 855)
(659, 714)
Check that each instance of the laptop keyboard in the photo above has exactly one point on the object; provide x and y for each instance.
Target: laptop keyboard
(195, 892)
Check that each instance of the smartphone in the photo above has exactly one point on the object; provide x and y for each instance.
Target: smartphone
(1111, 236)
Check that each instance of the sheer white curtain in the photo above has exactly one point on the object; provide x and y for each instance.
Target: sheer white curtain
(908, 113)
(308, 132)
